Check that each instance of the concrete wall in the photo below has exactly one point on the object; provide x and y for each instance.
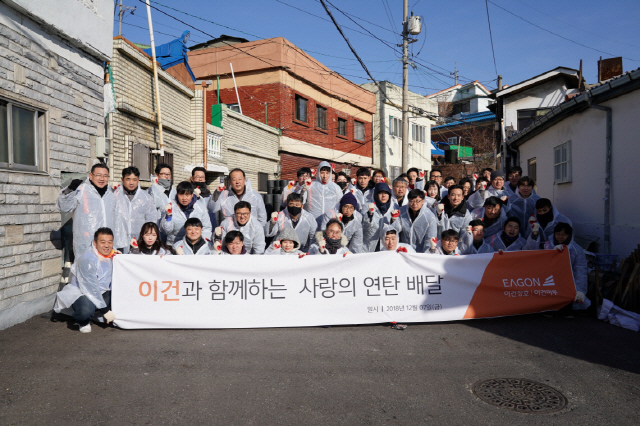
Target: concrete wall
(40, 69)
(546, 95)
(582, 199)
(388, 148)
(135, 120)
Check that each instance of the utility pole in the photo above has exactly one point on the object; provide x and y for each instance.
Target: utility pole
(455, 73)
(123, 10)
(155, 81)
(405, 87)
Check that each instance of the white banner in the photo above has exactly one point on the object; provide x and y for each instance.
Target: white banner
(287, 291)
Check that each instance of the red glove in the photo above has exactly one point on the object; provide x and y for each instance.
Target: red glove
(354, 181)
(291, 184)
(344, 254)
(339, 216)
(301, 255)
(274, 217)
(469, 229)
(169, 209)
(308, 182)
(421, 174)
(532, 220)
(155, 180)
(276, 245)
(483, 185)
(134, 242)
(402, 250)
(395, 214)
(221, 187)
(352, 191)
(313, 172)
(475, 176)
(434, 242)
(372, 207)
(114, 187)
(217, 246)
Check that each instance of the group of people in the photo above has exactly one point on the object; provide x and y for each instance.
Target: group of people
(320, 213)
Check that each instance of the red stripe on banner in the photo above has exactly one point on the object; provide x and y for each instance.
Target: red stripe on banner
(523, 282)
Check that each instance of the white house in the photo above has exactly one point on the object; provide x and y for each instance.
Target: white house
(51, 112)
(566, 149)
(460, 99)
(387, 129)
(517, 106)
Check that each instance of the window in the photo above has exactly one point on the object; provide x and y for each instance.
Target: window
(142, 160)
(453, 140)
(263, 179)
(532, 169)
(418, 133)
(395, 127)
(358, 130)
(214, 145)
(526, 117)
(321, 117)
(342, 127)
(22, 137)
(301, 108)
(562, 163)
(234, 107)
(465, 106)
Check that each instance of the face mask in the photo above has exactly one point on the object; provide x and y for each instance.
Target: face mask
(342, 185)
(294, 211)
(165, 183)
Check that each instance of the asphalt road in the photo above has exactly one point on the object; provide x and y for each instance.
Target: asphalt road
(52, 374)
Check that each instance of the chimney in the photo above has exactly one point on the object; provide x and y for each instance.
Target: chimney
(499, 82)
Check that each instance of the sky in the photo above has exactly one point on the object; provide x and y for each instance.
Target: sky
(529, 36)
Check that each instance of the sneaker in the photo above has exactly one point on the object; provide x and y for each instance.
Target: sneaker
(85, 328)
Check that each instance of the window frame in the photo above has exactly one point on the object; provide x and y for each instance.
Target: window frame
(453, 140)
(418, 133)
(296, 111)
(559, 178)
(320, 108)
(537, 113)
(355, 133)
(40, 132)
(532, 168)
(346, 126)
(395, 126)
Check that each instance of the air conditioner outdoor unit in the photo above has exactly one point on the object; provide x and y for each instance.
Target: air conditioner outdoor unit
(103, 147)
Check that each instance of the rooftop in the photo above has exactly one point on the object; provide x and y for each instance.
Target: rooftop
(469, 118)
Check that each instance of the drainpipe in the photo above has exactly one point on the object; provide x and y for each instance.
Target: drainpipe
(204, 124)
(607, 178)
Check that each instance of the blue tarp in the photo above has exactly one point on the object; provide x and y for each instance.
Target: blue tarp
(173, 53)
(435, 150)
(469, 118)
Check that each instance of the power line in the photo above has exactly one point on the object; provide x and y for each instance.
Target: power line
(491, 38)
(556, 34)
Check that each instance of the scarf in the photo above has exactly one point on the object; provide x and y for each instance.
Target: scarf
(204, 191)
(130, 194)
(507, 240)
(546, 218)
(460, 210)
(332, 245)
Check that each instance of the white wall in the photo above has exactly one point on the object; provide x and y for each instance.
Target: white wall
(87, 24)
(582, 199)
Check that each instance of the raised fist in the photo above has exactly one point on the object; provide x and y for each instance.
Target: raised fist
(421, 174)
(475, 176)
(308, 182)
(169, 209)
(483, 186)
(217, 246)
(440, 208)
(323, 244)
(433, 242)
(339, 216)
(313, 172)
(134, 242)
(372, 207)
(402, 250)
(180, 250)
(535, 227)
(469, 229)
(354, 181)
(352, 191)
(395, 214)
(221, 187)
(218, 231)
(274, 217)
(114, 187)
(532, 220)
(155, 180)
(276, 245)
(197, 192)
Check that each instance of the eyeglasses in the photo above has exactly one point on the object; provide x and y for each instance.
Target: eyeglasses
(416, 201)
(436, 176)
(164, 175)
(102, 176)
(243, 214)
(348, 207)
(334, 232)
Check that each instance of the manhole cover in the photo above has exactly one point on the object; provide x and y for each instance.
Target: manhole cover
(521, 395)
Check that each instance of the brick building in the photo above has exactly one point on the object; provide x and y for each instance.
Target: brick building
(51, 111)
(321, 115)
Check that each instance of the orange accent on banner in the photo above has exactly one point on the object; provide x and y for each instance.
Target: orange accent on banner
(523, 282)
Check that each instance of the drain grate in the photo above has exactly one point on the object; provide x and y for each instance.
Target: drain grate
(521, 395)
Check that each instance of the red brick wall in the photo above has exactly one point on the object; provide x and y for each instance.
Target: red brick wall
(280, 113)
(290, 163)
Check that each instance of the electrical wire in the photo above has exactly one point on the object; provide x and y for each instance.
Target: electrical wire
(491, 37)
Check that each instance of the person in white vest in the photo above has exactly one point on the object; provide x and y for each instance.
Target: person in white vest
(418, 222)
(509, 239)
(513, 176)
(400, 192)
(149, 242)
(493, 215)
(296, 218)
(161, 189)
(286, 243)
(298, 187)
(477, 199)
(92, 204)
(331, 240)
(199, 182)
(184, 206)
(322, 194)
(244, 222)
(134, 207)
(522, 204)
(193, 243)
(448, 244)
(475, 233)
(90, 286)
(224, 200)
(392, 241)
(380, 212)
(351, 220)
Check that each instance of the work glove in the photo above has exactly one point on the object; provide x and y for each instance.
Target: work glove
(504, 198)
(109, 316)
(221, 187)
(218, 231)
(421, 174)
(115, 253)
(372, 208)
(470, 229)
(217, 246)
(500, 251)
(307, 184)
(169, 209)
(114, 187)
(339, 217)
(579, 297)
(323, 245)
(440, 208)
(155, 180)
(535, 227)
(197, 192)
(433, 242)
(291, 184)
(354, 181)
(277, 245)
(75, 184)
(475, 176)
(560, 248)
(402, 250)
(274, 217)
(352, 191)
(313, 172)
(134, 243)
(395, 214)
(301, 255)
(483, 186)
(532, 220)
(180, 250)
